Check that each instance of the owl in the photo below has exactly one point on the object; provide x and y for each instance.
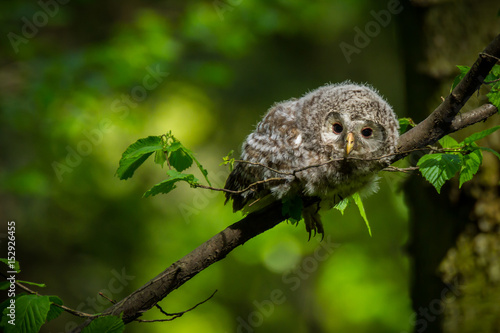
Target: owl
(322, 148)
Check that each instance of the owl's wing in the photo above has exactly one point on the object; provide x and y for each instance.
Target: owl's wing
(273, 144)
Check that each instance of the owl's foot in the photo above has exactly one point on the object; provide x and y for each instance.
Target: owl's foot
(313, 221)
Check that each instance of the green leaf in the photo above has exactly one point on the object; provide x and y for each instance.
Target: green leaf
(448, 142)
(4, 285)
(169, 184)
(404, 123)
(54, 311)
(107, 324)
(479, 135)
(8, 263)
(496, 69)
(438, 168)
(160, 157)
(31, 312)
(494, 98)
(359, 203)
(463, 72)
(136, 154)
(494, 152)
(143, 146)
(228, 160)
(179, 159)
(292, 207)
(470, 166)
(342, 205)
(128, 166)
(182, 158)
(41, 285)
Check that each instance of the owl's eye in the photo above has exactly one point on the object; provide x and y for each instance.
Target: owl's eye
(337, 128)
(367, 132)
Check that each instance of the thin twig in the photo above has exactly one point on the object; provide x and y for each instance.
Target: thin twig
(65, 308)
(112, 301)
(391, 168)
(174, 315)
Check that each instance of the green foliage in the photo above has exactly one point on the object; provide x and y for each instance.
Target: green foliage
(470, 165)
(464, 157)
(479, 135)
(438, 168)
(342, 205)
(292, 207)
(357, 200)
(9, 264)
(463, 72)
(31, 313)
(492, 79)
(136, 154)
(167, 149)
(169, 184)
(54, 311)
(405, 124)
(228, 160)
(107, 324)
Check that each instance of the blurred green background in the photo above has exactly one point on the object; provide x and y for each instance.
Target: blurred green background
(76, 88)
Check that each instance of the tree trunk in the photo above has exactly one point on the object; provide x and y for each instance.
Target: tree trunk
(455, 236)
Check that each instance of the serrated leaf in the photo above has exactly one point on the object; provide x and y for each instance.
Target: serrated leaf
(143, 146)
(404, 123)
(128, 166)
(494, 98)
(31, 313)
(136, 154)
(160, 157)
(342, 205)
(17, 267)
(494, 152)
(169, 184)
(183, 158)
(180, 160)
(292, 207)
(54, 311)
(107, 324)
(41, 285)
(359, 203)
(448, 142)
(438, 168)
(479, 135)
(470, 166)
(463, 72)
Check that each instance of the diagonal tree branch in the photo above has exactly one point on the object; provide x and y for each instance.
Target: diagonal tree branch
(442, 121)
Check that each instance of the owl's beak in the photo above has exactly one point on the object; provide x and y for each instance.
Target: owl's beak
(349, 143)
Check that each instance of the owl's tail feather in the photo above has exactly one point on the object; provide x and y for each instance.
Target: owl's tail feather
(312, 220)
(237, 182)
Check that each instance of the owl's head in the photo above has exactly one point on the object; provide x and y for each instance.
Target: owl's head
(356, 121)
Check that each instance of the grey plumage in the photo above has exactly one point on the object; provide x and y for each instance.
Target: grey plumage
(348, 123)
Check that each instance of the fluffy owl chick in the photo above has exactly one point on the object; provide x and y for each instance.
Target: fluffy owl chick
(326, 145)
